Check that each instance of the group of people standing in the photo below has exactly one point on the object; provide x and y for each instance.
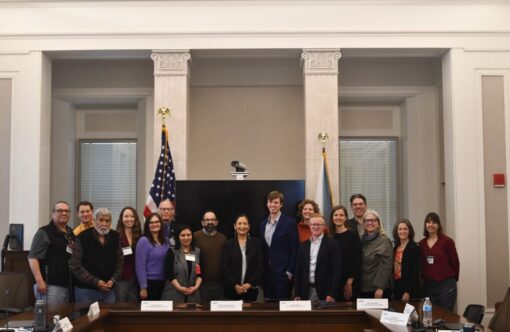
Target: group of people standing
(335, 259)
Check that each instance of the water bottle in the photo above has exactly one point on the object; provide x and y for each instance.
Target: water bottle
(427, 313)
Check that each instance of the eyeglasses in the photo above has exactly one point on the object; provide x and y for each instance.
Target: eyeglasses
(315, 225)
(208, 220)
(62, 211)
(370, 221)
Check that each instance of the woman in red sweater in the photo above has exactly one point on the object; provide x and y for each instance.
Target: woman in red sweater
(440, 263)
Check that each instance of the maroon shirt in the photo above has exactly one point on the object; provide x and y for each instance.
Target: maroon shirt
(128, 270)
(445, 259)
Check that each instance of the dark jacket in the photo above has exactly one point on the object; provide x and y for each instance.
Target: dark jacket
(281, 256)
(232, 261)
(55, 267)
(409, 280)
(328, 271)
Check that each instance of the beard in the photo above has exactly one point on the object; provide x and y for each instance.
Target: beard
(103, 231)
(210, 228)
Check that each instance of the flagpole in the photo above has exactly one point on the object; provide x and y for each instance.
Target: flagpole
(164, 112)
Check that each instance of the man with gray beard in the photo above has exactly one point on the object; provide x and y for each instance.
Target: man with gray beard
(97, 261)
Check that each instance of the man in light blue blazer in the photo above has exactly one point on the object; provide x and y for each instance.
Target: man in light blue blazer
(279, 237)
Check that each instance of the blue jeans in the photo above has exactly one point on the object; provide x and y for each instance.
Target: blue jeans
(54, 294)
(89, 296)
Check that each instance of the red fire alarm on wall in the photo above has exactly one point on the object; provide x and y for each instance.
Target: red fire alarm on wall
(499, 180)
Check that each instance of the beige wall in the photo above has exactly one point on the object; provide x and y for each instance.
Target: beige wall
(496, 211)
(97, 74)
(261, 126)
(5, 151)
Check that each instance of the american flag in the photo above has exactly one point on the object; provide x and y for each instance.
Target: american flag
(163, 185)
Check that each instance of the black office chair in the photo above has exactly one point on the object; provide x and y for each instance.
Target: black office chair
(474, 312)
(15, 288)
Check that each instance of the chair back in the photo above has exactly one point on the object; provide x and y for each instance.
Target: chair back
(474, 312)
(19, 286)
(500, 322)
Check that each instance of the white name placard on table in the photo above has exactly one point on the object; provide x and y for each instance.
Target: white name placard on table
(226, 305)
(157, 306)
(64, 325)
(395, 318)
(93, 309)
(363, 304)
(295, 305)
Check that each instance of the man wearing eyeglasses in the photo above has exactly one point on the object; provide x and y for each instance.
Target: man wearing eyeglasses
(318, 265)
(49, 255)
(167, 213)
(210, 242)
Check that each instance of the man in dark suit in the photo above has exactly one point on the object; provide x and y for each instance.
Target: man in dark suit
(318, 265)
(279, 236)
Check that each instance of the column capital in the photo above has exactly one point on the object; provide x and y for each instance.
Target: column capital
(320, 61)
(171, 62)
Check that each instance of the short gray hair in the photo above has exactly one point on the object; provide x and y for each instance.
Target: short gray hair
(102, 212)
(378, 217)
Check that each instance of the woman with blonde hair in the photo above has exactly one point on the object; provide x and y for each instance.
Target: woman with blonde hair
(377, 258)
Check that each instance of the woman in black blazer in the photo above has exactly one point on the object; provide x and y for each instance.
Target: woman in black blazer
(406, 262)
(241, 263)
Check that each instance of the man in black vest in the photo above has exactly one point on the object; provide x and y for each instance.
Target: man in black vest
(97, 261)
(49, 255)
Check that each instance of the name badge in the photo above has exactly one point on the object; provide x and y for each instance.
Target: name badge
(127, 251)
(430, 259)
(190, 257)
(69, 250)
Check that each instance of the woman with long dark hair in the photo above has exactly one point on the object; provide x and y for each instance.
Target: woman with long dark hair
(130, 231)
(182, 269)
(150, 257)
(350, 246)
(440, 263)
(242, 263)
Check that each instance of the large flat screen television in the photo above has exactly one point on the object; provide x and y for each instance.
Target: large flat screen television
(230, 198)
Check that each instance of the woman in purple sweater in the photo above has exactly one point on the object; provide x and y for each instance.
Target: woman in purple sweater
(151, 250)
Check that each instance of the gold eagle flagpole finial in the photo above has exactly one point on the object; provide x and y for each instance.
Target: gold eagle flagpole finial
(163, 112)
(323, 139)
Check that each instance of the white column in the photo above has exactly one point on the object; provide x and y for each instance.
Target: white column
(29, 187)
(171, 89)
(320, 70)
(464, 177)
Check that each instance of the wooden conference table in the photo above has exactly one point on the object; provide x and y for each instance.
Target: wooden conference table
(254, 318)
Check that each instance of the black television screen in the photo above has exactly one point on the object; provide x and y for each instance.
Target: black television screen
(230, 198)
(16, 237)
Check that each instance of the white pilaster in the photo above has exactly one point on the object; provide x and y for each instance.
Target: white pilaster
(171, 89)
(30, 140)
(320, 69)
(464, 177)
